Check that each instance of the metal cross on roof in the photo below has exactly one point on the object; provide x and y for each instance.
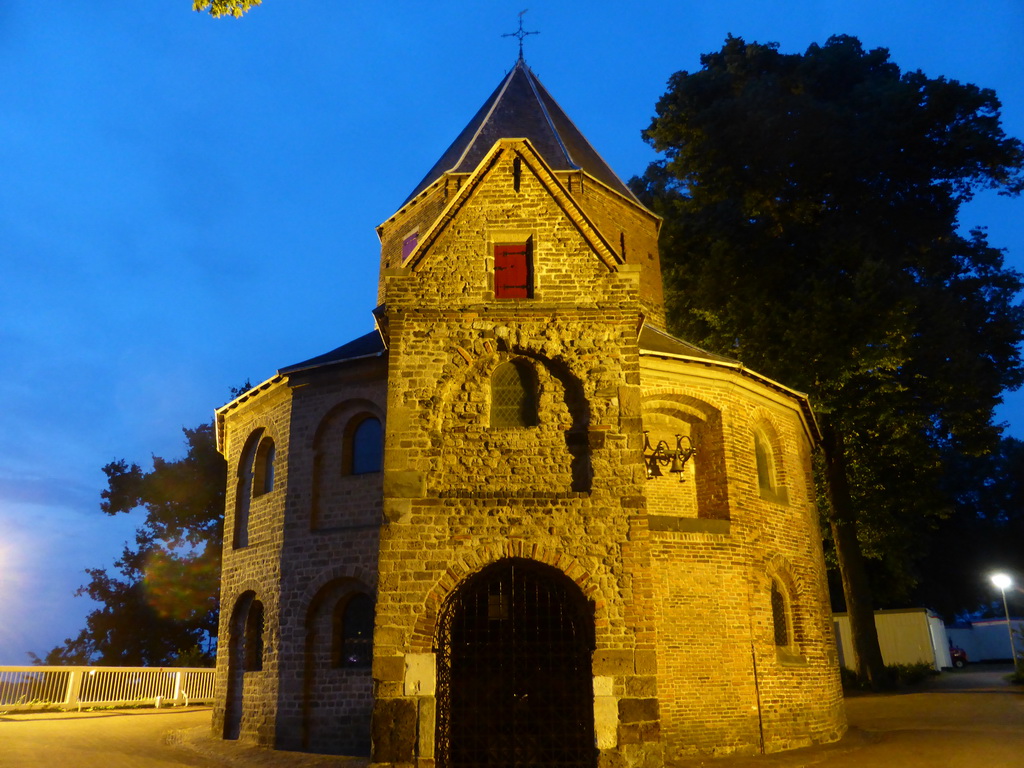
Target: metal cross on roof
(520, 33)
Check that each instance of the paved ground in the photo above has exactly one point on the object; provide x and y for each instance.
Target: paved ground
(960, 720)
(112, 739)
(137, 738)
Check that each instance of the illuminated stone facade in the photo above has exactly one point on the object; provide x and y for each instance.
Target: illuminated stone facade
(516, 365)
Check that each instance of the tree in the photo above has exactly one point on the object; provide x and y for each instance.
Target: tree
(810, 205)
(162, 609)
(218, 8)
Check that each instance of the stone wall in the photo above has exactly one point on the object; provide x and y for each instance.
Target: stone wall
(312, 543)
(629, 230)
(459, 494)
(330, 550)
(253, 569)
(632, 231)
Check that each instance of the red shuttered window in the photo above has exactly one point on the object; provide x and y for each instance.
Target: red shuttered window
(513, 276)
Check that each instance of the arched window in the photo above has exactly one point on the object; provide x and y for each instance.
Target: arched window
(263, 468)
(514, 395)
(366, 446)
(780, 617)
(352, 644)
(252, 654)
(770, 478)
(245, 487)
(765, 459)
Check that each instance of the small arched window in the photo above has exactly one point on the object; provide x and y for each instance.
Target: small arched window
(366, 446)
(263, 468)
(352, 644)
(765, 459)
(514, 395)
(252, 656)
(780, 617)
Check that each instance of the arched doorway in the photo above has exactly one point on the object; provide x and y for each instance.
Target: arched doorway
(515, 686)
(245, 654)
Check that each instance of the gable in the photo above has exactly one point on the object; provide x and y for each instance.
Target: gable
(513, 203)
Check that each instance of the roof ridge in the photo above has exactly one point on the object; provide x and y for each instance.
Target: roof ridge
(476, 134)
(546, 95)
(531, 78)
(521, 107)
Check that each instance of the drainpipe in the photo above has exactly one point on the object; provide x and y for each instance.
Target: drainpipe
(757, 697)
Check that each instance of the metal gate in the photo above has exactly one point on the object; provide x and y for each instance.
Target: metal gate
(515, 687)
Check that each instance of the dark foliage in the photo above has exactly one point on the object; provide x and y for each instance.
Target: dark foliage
(161, 607)
(811, 229)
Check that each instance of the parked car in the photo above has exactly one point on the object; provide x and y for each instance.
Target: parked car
(959, 656)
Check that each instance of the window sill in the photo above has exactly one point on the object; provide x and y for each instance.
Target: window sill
(790, 658)
(687, 524)
(778, 496)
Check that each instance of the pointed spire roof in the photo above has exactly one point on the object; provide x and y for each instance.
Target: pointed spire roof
(521, 107)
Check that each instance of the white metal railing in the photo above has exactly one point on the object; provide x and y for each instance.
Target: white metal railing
(70, 687)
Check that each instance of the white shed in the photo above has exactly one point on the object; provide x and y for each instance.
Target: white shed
(905, 636)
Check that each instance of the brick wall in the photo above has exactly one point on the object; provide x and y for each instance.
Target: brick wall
(719, 664)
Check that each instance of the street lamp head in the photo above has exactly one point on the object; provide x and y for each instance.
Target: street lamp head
(1001, 580)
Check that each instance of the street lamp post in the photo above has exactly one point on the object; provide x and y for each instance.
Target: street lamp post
(1003, 582)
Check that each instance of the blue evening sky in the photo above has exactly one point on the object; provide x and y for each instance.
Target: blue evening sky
(187, 203)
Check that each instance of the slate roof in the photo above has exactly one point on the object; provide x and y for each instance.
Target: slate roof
(651, 340)
(369, 345)
(522, 108)
(656, 340)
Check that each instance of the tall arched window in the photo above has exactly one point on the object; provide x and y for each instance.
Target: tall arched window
(366, 446)
(252, 653)
(770, 478)
(765, 459)
(244, 487)
(780, 617)
(352, 643)
(263, 468)
(514, 395)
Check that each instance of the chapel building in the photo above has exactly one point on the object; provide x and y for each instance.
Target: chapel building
(519, 523)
